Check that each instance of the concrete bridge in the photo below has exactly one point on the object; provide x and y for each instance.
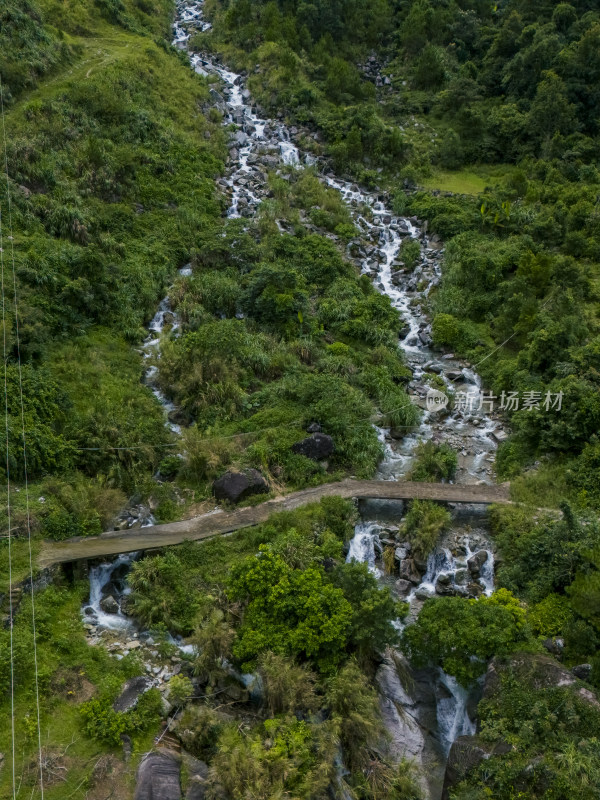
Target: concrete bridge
(215, 523)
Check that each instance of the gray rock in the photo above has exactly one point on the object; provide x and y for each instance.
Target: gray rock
(474, 589)
(132, 690)
(237, 693)
(217, 98)
(127, 605)
(582, 671)
(400, 553)
(409, 572)
(158, 777)
(476, 562)
(408, 708)
(465, 754)
(554, 646)
(461, 576)
(317, 446)
(197, 772)
(109, 605)
(235, 486)
(533, 669)
(403, 586)
(127, 746)
(423, 594)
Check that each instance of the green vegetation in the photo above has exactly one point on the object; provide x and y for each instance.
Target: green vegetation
(315, 669)
(424, 522)
(299, 598)
(316, 344)
(434, 462)
(462, 635)
(553, 564)
(551, 727)
(480, 118)
(70, 673)
(111, 181)
(507, 92)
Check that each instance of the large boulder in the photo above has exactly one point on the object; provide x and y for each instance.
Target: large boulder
(409, 571)
(582, 671)
(409, 712)
(317, 446)
(158, 777)
(109, 605)
(465, 754)
(131, 692)
(236, 486)
(197, 772)
(476, 562)
(534, 669)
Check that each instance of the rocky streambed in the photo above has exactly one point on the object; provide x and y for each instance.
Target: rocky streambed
(425, 712)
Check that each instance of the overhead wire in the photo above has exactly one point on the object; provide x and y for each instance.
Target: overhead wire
(9, 516)
(23, 442)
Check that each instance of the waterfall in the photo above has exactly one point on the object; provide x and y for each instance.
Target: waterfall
(100, 576)
(452, 717)
(364, 544)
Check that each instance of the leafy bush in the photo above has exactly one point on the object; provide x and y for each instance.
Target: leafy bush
(102, 723)
(424, 522)
(410, 252)
(181, 690)
(462, 635)
(287, 687)
(434, 462)
(291, 612)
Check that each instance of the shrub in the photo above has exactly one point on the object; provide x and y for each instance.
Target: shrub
(434, 462)
(461, 635)
(103, 723)
(425, 521)
(410, 252)
(287, 687)
(181, 690)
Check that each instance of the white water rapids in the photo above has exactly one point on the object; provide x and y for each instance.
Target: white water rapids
(258, 144)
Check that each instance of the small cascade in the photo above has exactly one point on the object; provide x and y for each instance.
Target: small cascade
(165, 317)
(107, 581)
(365, 545)
(457, 573)
(452, 716)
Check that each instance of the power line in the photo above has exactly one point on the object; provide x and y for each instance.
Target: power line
(10, 599)
(24, 443)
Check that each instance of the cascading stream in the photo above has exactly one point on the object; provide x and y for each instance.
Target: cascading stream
(260, 143)
(471, 435)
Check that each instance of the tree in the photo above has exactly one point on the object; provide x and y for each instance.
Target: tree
(430, 71)
(355, 711)
(287, 687)
(373, 609)
(460, 635)
(213, 639)
(551, 111)
(585, 591)
(291, 612)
